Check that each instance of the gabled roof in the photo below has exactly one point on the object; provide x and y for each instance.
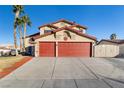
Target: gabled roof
(77, 25)
(63, 20)
(36, 34)
(48, 25)
(67, 28)
(117, 41)
(69, 22)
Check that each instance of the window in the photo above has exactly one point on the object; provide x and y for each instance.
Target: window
(46, 31)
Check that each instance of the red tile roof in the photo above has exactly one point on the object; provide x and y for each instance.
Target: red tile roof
(49, 25)
(77, 25)
(73, 24)
(33, 35)
(63, 20)
(66, 28)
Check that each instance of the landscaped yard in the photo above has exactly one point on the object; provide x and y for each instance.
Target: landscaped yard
(6, 62)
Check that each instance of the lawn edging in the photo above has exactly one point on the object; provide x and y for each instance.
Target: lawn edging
(7, 71)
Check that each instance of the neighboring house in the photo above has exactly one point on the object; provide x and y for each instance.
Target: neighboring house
(109, 48)
(111, 42)
(6, 46)
(5, 50)
(61, 39)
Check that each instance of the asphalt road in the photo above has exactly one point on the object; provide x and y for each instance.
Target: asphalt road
(50, 72)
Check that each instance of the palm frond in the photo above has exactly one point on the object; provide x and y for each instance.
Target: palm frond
(18, 8)
(26, 20)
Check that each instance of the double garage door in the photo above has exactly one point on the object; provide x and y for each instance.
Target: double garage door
(65, 49)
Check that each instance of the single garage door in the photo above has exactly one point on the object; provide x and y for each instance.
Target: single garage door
(76, 49)
(47, 49)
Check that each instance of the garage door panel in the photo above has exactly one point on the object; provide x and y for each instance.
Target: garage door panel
(74, 49)
(65, 49)
(47, 49)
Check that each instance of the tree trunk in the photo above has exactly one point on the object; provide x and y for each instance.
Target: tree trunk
(24, 35)
(20, 32)
(15, 39)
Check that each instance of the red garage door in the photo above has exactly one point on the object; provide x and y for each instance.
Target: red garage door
(47, 49)
(69, 49)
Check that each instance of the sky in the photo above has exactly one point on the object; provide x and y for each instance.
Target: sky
(101, 21)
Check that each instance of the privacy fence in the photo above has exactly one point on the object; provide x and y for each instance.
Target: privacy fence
(106, 51)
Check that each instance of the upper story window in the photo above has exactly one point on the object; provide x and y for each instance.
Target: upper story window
(46, 31)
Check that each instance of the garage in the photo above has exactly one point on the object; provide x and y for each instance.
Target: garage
(47, 49)
(65, 49)
(74, 49)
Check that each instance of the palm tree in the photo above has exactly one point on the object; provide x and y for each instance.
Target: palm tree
(113, 36)
(19, 23)
(17, 9)
(26, 21)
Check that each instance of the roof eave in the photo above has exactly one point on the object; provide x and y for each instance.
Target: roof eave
(67, 28)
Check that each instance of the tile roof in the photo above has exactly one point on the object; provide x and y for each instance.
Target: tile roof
(66, 28)
(77, 25)
(49, 25)
(62, 20)
(33, 35)
(73, 24)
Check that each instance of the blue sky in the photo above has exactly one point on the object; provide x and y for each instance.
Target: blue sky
(101, 21)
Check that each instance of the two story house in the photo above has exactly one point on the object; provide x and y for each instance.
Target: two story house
(62, 38)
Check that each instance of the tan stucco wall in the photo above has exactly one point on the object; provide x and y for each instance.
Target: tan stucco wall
(61, 35)
(60, 24)
(27, 42)
(37, 49)
(76, 38)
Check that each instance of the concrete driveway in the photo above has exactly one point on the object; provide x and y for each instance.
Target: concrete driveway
(67, 73)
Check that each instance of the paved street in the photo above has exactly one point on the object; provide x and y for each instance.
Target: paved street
(50, 72)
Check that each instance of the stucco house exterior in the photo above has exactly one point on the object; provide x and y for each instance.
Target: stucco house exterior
(62, 38)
